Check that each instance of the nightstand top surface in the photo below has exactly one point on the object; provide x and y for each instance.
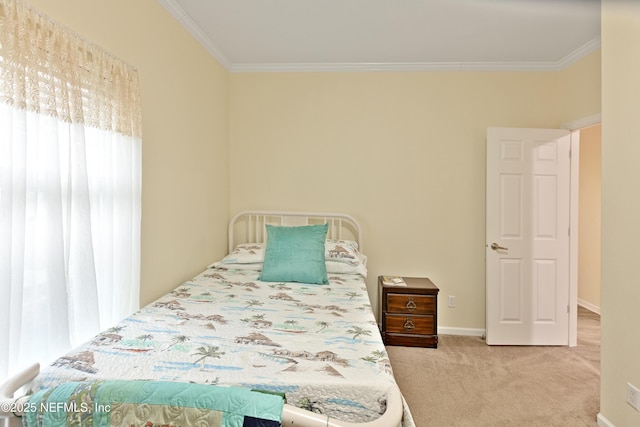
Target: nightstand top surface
(414, 282)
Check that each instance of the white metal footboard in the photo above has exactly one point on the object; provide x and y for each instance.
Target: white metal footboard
(291, 415)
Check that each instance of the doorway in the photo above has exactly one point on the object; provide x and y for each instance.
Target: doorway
(585, 216)
(589, 221)
(589, 245)
(585, 251)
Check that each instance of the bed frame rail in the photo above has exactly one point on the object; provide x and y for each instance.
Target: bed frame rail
(291, 415)
(250, 226)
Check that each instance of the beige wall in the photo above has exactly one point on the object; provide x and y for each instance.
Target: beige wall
(620, 347)
(589, 220)
(402, 152)
(579, 88)
(185, 150)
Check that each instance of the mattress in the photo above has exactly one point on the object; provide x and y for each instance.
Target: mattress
(317, 344)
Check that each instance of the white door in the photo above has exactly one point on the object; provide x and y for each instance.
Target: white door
(527, 232)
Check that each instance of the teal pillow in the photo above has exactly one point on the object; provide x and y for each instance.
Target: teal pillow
(295, 254)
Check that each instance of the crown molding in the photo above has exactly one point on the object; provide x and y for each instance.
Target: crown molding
(181, 16)
(584, 122)
(185, 20)
(399, 66)
(573, 57)
(584, 50)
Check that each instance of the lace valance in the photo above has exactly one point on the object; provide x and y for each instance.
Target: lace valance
(48, 69)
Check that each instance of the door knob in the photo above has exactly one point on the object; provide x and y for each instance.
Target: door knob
(497, 247)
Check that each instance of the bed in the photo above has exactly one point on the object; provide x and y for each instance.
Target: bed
(251, 321)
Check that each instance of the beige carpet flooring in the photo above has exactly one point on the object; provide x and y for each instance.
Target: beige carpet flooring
(467, 383)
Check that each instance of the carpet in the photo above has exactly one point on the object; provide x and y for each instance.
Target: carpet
(464, 382)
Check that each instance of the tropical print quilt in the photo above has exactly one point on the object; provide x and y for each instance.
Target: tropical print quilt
(317, 344)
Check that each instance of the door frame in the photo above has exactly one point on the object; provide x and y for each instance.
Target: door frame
(575, 127)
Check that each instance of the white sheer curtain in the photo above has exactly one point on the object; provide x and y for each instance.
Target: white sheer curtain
(70, 180)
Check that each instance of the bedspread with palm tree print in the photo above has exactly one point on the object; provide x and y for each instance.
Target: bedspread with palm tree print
(317, 344)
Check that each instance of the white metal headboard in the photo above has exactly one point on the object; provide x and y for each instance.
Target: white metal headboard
(249, 226)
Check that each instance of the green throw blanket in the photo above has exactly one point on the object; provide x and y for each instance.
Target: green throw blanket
(151, 404)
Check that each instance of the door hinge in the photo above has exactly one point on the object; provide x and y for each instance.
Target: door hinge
(568, 310)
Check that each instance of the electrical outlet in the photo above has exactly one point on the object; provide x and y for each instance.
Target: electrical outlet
(452, 301)
(633, 396)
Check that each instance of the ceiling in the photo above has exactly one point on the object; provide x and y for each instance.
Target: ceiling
(337, 35)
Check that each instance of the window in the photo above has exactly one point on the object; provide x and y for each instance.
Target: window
(70, 182)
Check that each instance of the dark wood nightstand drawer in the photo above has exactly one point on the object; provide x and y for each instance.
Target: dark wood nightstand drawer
(414, 304)
(404, 324)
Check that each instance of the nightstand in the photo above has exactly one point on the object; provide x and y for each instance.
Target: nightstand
(409, 313)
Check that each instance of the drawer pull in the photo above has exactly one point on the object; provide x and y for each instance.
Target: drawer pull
(409, 324)
(410, 305)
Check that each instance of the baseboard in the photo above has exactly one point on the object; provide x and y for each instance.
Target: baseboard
(603, 422)
(461, 331)
(589, 306)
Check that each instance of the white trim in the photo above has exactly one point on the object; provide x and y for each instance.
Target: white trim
(394, 66)
(579, 53)
(591, 307)
(470, 332)
(574, 210)
(185, 20)
(603, 422)
(573, 57)
(584, 122)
